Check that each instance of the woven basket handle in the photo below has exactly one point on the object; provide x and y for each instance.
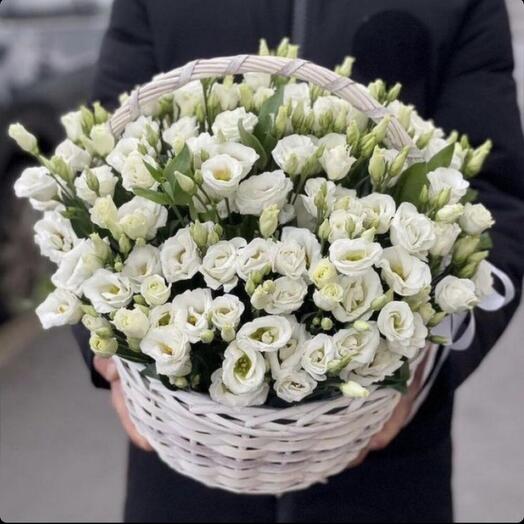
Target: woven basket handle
(345, 88)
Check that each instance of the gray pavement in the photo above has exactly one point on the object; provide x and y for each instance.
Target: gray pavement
(62, 452)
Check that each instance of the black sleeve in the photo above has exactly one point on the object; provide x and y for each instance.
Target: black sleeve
(478, 97)
(127, 56)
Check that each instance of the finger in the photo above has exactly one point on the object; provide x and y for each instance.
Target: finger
(121, 409)
(392, 427)
(106, 367)
(359, 459)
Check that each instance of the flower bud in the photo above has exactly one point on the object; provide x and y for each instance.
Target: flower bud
(352, 389)
(345, 68)
(281, 121)
(377, 89)
(474, 165)
(381, 129)
(326, 324)
(207, 336)
(25, 140)
(464, 247)
(441, 341)
(124, 244)
(353, 135)
(397, 166)
(377, 167)
(424, 139)
(103, 347)
(186, 184)
(426, 311)
(449, 213)
(199, 234)
(100, 114)
(360, 325)
(246, 96)
(468, 271)
(263, 49)
(102, 140)
(268, 221)
(228, 333)
(179, 382)
(393, 93)
(324, 230)
(436, 319)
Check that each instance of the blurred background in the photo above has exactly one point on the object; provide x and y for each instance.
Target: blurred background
(62, 451)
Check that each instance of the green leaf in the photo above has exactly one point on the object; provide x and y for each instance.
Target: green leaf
(181, 162)
(252, 141)
(442, 158)
(410, 183)
(154, 172)
(272, 104)
(486, 242)
(155, 196)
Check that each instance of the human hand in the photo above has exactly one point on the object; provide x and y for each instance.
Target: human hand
(107, 368)
(398, 419)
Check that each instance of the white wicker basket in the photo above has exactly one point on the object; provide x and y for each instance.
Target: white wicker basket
(258, 450)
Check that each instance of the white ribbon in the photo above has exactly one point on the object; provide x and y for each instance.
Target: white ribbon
(449, 327)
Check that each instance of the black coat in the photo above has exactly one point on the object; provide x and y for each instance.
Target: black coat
(454, 60)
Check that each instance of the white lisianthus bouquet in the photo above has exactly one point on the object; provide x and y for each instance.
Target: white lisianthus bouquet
(259, 239)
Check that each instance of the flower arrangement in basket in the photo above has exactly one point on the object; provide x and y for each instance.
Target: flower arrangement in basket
(265, 257)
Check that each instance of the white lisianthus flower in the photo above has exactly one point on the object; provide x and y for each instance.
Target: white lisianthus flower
(319, 351)
(256, 80)
(291, 353)
(184, 128)
(102, 140)
(311, 188)
(203, 143)
(106, 184)
(247, 156)
(139, 128)
(354, 256)
(304, 238)
(336, 158)
(225, 311)
(260, 191)
(72, 123)
(163, 315)
(221, 394)
(294, 386)
(179, 257)
(290, 259)
(142, 262)
(135, 173)
(379, 210)
(36, 183)
(454, 294)
(191, 312)
(269, 333)
(288, 296)
(132, 323)
(322, 272)
(412, 230)
(221, 175)
(483, 280)
(445, 237)
(124, 147)
(61, 307)
(227, 95)
(219, 264)
(328, 107)
(409, 347)
(243, 370)
(141, 218)
(108, 291)
(396, 322)
(188, 97)
(358, 348)
(78, 265)
(76, 157)
(226, 123)
(170, 349)
(447, 178)
(328, 296)
(292, 152)
(257, 255)
(383, 365)
(404, 273)
(296, 93)
(359, 291)
(155, 290)
(345, 224)
(55, 236)
(104, 214)
(25, 140)
(475, 219)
